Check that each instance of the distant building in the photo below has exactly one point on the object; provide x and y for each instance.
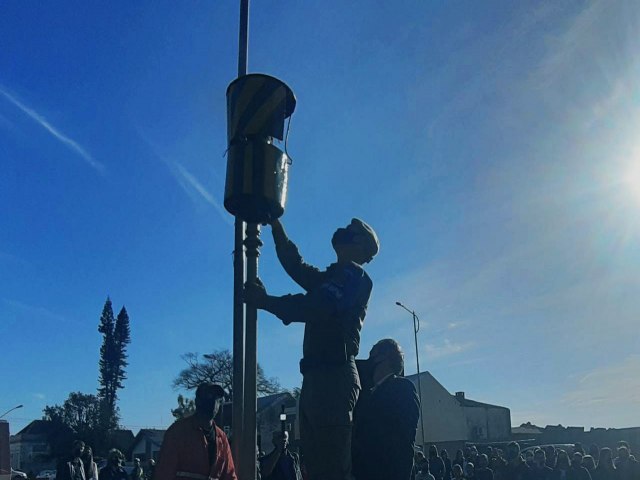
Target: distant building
(527, 431)
(485, 422)
(452, 420)
(38, 445)
(33, 447)
(268, 418)
(147, 443)
(268, 413)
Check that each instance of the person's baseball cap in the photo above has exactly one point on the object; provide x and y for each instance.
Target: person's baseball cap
(367, 237)
(210, 391)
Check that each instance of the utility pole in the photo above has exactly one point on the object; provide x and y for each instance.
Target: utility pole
(255, 193)
(416, 328)
(239, 330)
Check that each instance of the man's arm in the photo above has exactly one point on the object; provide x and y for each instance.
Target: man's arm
(406, 408)
(346, 298)
(229, 471)
(305, 275)
(167, 465)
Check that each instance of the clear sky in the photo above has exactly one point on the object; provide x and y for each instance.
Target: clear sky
(493, 146)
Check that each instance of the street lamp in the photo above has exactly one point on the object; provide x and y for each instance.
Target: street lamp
(283, 420)
(416, 328)
(11, 410)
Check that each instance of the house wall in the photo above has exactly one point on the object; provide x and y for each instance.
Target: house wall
(144, 450)
(444, 419)
(31, 454)
(487, 423)
(499, 423)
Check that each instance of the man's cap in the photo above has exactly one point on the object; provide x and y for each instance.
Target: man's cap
(367, 237)
(209, 391)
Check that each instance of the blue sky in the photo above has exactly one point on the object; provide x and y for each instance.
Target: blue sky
(492, 145)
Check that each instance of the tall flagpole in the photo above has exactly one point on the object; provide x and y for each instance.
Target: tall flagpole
(238, 428)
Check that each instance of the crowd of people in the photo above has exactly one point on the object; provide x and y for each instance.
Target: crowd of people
(80, 465)
(534, 463)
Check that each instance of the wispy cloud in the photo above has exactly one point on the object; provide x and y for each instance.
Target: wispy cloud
(446, 348)
(64, 139)
(187, 180)
(194, 183)
(23, 310)
(39, 396)
(612, 386)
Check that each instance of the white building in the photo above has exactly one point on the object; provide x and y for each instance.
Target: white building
(451, 420)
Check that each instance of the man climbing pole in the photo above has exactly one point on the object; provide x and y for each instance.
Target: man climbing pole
(333, 310)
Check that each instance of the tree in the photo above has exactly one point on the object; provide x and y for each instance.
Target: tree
(186, 407)
(81, 413)
(217, 367)
(116, 336)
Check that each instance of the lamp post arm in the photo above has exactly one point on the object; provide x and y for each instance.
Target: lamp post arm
(11, 410)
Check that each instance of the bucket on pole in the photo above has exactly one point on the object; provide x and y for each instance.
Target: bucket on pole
(257, 171)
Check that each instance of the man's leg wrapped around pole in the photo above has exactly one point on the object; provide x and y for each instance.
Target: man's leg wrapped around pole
(327, 401)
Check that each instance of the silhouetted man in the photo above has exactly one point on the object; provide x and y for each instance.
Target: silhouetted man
(137, 473)
(72, 468)
(280, 464)
(195, 448)
(113, 469)
(515, 468)
(436, 464)
(540, 470)
(386, 419)
(151, 467)
(626, 467)
(577, 470)
(483, 472)
(333, 310)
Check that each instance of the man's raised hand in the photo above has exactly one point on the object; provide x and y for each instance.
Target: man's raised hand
(255, 294)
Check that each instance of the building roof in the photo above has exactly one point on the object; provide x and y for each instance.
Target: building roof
(122, 439)
(465, 402)
(459, 396)
(525, 429)
(153, 435)
(269, 400)
(41, 427)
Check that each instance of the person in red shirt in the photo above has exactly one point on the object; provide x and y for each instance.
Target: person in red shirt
(194, 448)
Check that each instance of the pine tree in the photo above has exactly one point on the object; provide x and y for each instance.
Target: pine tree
(113, 360)
(121, 338)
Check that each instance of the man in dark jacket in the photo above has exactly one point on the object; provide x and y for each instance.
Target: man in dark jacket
(281, 463)
(540, 470)
(385, 419)
(577, 470)
(436, 464)
(72, 468)
(333, 310)
(627, 468)
(113, 469)
(515, 468)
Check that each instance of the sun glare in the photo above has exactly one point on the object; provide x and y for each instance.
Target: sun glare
(632, 180)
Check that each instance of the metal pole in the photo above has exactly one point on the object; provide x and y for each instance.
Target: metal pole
(416, 328)
(253, 244)
(237, 421)
(238, 285)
